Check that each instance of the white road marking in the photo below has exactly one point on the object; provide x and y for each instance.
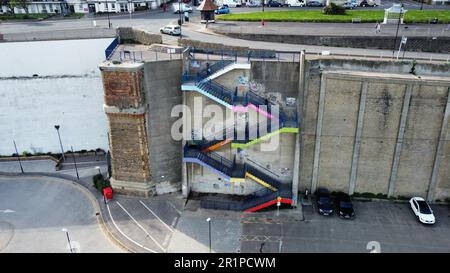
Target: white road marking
(171, 230)
(166, 240)
(173, 206)
(139, 225)
(124, 235)
(6, 210)
(174, 221)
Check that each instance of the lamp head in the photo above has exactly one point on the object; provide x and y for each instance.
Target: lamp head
(57, 127)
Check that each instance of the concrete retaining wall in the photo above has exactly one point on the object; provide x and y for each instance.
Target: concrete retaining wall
(131, 35)
(371, 126)
(425, 44)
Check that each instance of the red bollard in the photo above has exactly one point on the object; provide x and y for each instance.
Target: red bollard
(107, 193)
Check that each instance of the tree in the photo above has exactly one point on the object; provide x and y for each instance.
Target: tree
(8, 4)
(21, 4)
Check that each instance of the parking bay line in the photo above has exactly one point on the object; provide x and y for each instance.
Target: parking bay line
(139, 225)
(123, 234)
(173, 206)
(167, 226)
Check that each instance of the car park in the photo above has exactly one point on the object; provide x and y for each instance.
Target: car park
(344, 206)
(171, 30)
(324, 201)
(314, 3)
(222, 10)
(422, 210)
(273, 3)
(294, 3)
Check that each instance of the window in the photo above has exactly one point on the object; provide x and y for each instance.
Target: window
(80, 6)
(113, 6)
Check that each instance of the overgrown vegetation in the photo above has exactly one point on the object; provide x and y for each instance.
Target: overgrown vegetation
(334, 9)
(100, 182)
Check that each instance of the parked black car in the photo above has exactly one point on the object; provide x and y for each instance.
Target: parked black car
(344, 206)
(324, 201)
(273, 3)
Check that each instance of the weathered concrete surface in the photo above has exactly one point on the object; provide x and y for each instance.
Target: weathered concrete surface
(386, 93)
(162, 81)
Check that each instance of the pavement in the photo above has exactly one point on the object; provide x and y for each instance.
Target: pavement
(390, 226)
(170, 224)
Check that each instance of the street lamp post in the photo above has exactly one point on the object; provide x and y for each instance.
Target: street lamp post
(398, 26)
(60, 142)
(68, 239)
(262, 18)
(180, 19)
(75, 162)
(209, 228)
(18, 156)
(107, 12)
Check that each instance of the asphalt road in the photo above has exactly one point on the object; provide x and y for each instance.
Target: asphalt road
(34, 210)
(391, 226)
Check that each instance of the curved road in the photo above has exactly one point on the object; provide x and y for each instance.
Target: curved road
(34, 210)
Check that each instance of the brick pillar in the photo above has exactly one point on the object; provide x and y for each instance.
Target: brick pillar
(126, 110)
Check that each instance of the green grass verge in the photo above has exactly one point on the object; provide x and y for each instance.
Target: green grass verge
(412, 16)
(30, 16)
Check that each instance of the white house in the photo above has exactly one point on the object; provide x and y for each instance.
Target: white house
(44, 6)
(87, 6)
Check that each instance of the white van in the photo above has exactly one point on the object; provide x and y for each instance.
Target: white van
(294, 3)
(184, 7)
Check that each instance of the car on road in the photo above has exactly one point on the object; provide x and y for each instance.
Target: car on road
(294, 3)
(422, 210)
(324, 201)
(222, 10)
(181, 7)
(274, 4)
(171, 30)
(314, 3)
(344, 206)
(368, 3)
(253, 4)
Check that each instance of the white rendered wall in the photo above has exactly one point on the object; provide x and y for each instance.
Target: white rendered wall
(68, 92)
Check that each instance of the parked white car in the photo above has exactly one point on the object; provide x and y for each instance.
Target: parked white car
(184, 7)
(171, 30)
(422, 210)
(230, 3)
(295, 3)
(253, 3)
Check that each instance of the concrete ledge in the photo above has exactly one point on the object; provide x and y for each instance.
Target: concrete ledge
(144, 189)
(129, 111)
